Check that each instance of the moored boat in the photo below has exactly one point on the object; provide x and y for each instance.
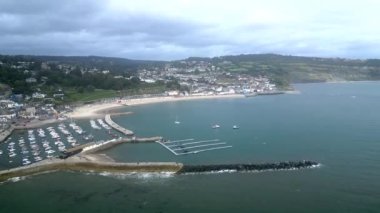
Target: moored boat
(215, 126)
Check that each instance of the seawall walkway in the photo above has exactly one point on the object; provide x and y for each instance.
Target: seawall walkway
(81, 164)
(117, 127)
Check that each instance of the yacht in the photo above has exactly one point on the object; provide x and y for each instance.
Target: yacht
(103, 124)
(94, 125)
(37, 158)
(88, 137)
(63, 129)
(25, 161)
(215, 126)
(50, 151)
(177, 121)
(76, 128)
(235, 127)
(41, 133)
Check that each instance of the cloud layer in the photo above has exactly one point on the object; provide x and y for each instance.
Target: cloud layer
(175, 29)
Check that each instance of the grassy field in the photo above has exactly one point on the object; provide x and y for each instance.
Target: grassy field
(73, 96)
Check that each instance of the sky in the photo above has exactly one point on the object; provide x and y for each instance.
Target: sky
(177, 29)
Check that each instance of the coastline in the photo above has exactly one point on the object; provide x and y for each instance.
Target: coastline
(101, 109)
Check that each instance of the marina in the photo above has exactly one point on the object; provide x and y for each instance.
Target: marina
(34, 145)
(94, 125)
(103, 124)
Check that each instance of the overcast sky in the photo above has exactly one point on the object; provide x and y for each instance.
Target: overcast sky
(176, 29)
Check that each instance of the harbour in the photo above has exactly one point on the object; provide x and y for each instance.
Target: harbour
(273, 129)
(47, 142)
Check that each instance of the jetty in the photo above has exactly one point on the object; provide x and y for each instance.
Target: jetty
(6, 133)
(117, 127)
(95, 147)
(80, 164)
(95, 164)
(105, 145)
(190, 146)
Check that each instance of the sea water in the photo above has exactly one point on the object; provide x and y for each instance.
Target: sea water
(336, 125)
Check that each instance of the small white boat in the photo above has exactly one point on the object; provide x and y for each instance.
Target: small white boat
(41, 133)
(177, 121)
(215, 126)
(94, 125)
(235, 127)
(24, 163)
(103, 124)
(37, 158)
(50, 151)
(76, 128)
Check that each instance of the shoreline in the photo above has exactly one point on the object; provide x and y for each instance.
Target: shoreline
(101, 109)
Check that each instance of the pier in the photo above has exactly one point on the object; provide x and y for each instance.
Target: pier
(6, 133)
(104, 145)
(81, 164)
(189, 146)
(117, 127)
(94, 147)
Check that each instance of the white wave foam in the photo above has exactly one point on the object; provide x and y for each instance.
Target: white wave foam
(15, 179)
(138, 175)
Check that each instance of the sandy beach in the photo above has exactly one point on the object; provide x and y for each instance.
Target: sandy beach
(100, 109)
(93, 110)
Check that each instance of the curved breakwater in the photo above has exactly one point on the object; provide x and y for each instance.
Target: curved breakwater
(248, 167)
(88, 166)
(178, 168)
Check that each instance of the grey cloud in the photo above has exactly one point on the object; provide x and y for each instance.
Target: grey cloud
(43, 7)
(86, 27)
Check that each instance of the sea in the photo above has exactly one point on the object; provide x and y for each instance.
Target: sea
(335, 124)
